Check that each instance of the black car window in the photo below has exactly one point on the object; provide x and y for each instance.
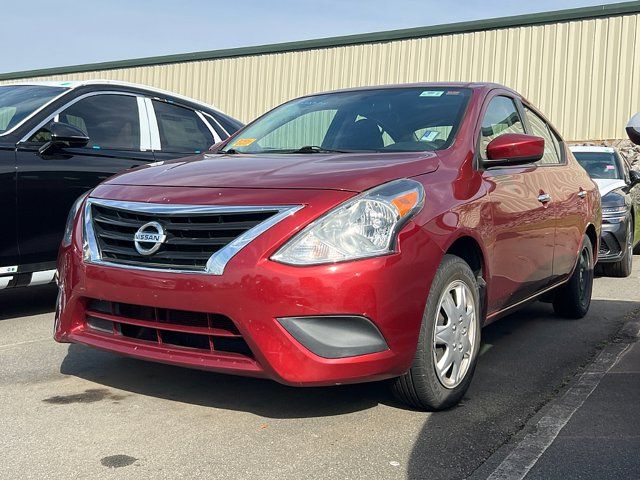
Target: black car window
(41, 136)
(229, 124)
(624, 165)
(540, 128)
(181, 130)
(501, 117)
(216, 126)
(17, 102)
(110, 121)
(219, 129)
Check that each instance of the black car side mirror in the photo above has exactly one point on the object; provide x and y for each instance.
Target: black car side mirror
(64, 135)
(633, 129)
(634, 176)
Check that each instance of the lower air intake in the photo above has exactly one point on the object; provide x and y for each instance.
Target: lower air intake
(206, 332)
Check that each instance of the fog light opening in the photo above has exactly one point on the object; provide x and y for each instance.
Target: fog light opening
(336, 336)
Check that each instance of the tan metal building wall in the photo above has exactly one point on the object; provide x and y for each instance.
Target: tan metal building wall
(583, 73)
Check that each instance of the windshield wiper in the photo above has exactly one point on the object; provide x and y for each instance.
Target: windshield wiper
(305, 149)
(315, 149)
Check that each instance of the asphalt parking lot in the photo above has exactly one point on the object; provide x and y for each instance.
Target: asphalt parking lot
(72, 412)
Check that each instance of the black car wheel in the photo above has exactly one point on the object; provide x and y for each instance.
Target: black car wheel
(573, 299)
(622, 268)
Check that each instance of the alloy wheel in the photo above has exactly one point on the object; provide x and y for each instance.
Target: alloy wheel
(454, 334)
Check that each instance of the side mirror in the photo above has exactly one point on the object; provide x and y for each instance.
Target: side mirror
(634, 176)
(513, 149)
(633, 129)
(64, 135)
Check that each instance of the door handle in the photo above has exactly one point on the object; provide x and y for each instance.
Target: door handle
(582, 193)
(544, 198)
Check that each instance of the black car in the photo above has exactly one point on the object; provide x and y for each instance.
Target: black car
(59, 140)
(620, 222)
(633, 129)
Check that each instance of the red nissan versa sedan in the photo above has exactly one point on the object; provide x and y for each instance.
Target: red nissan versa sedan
(343, 237)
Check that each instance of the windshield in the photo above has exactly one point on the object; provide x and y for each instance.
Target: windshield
(603, 165)
(17, 102)
(380, 120)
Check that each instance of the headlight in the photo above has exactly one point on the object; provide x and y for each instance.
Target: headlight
(68, 229)
(365, 226)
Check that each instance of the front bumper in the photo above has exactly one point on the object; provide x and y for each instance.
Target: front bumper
(254, 294)
(612, 241)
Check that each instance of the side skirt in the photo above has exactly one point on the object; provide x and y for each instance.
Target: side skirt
(506, 311)
(536, 296)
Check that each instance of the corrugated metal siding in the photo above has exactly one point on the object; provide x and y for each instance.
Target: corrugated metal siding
(584, 74)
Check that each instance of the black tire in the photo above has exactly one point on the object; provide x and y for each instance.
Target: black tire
(573, 299)
(420, 387)
(623, 267)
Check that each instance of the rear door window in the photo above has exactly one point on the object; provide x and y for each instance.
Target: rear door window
(181, 129)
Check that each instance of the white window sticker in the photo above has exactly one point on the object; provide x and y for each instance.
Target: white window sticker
(429, 136)
(432, 93)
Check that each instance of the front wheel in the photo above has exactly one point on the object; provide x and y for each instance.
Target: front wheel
(573, 299)
(448, 343)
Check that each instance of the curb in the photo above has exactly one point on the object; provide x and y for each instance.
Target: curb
(517, 457)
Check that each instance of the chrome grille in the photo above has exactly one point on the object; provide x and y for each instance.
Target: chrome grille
(198, 238)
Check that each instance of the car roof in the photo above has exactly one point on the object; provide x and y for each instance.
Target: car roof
(73, 84)
(587, 148)
(472, 85)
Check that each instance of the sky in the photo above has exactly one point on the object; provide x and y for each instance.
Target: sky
(44, 33)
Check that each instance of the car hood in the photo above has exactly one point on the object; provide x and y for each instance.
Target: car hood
(606, 185)
(354, 171)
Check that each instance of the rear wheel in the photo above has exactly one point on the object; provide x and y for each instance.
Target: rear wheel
(623, 267)
(573, 299)
(449, 340)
